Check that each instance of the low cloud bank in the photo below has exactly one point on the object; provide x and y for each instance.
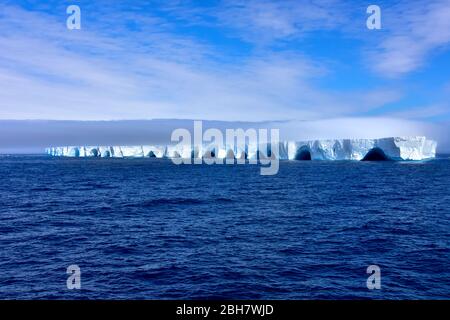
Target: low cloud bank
(32, 136)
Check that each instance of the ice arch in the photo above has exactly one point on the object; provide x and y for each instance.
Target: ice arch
(106, 154)
(75, 152)
(94, 152)
(376, 154)
(265, 152)
(209, 154)
(304, 153)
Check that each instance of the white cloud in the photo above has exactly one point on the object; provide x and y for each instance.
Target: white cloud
(264, 21)
(364, 128)
(49, 72)
(423, 112)
(415, 30)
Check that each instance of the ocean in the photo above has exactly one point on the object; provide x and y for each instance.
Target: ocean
(149, 229)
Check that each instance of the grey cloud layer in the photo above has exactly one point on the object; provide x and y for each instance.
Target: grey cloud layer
(34, 136)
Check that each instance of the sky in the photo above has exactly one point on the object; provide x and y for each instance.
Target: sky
(236, 60)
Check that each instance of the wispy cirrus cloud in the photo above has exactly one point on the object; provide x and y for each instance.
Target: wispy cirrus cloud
(272, 20)
(148, 71)
(415, 31)
(412, 31)
(265, 21)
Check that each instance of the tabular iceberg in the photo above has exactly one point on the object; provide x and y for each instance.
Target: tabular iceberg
(394, 148)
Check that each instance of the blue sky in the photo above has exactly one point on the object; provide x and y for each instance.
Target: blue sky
(249, 60)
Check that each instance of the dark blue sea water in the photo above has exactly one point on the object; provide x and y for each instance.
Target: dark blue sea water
(148, 229)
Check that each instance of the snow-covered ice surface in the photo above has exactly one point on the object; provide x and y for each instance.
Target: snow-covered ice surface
(394, 148)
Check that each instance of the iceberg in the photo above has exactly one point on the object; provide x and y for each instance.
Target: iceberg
(393, 148)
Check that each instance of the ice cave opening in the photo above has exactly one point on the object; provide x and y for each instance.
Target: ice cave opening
(106, 154)
(303, 154)
(265, 154)
(375, 154)
(94, 153)
(209, 154)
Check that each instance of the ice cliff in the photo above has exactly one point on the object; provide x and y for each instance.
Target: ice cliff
(394, 148)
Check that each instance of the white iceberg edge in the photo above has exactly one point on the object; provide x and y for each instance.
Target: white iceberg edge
(393, 148)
